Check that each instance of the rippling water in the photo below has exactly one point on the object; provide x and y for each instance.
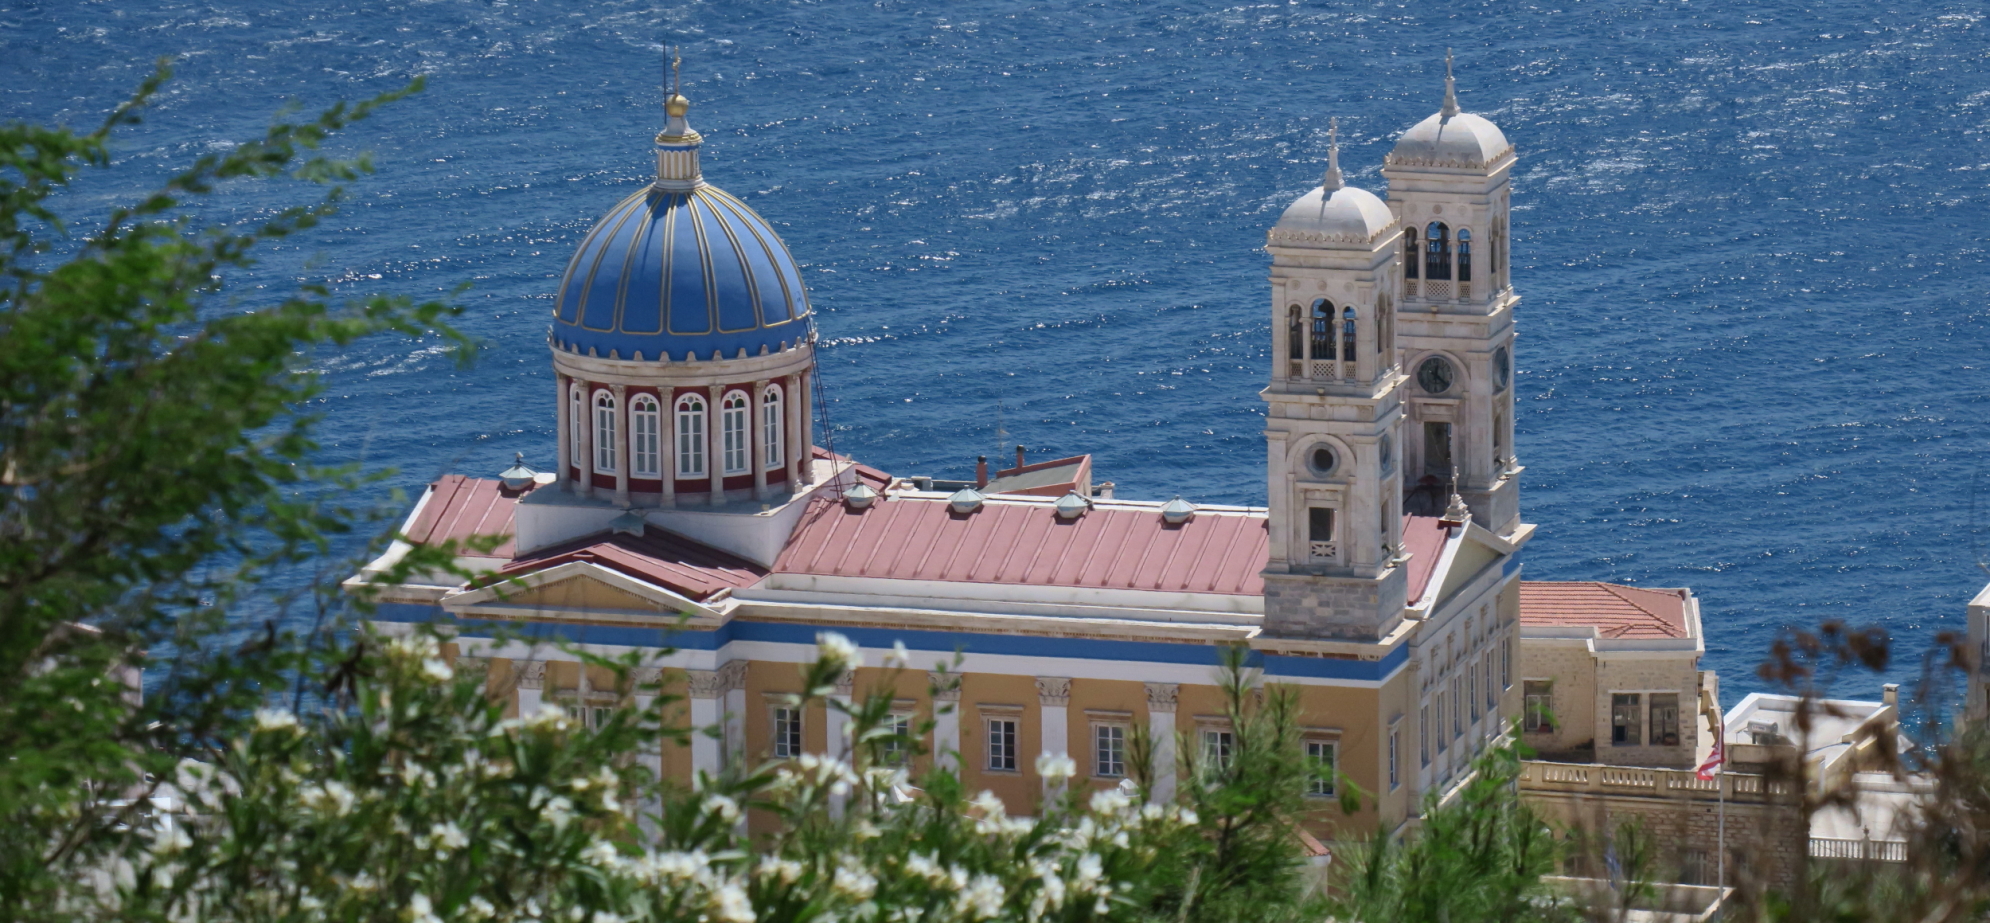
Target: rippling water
(1750, 238)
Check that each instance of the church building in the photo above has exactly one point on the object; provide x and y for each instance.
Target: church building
(690, 511)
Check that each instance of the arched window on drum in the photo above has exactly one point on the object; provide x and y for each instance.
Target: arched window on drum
(1323, 330)
(773, 448)
(690, 436)
(1412, 257)
(1347, 334)
(737, 451)
(645, 455)
(1464, 254)
(577, 425)
(604, 432)
(1295, 333)
(1437, 251)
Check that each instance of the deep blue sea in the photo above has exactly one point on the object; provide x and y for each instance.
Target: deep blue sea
(1750, 238)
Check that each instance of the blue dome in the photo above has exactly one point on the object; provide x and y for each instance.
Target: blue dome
(684, 274)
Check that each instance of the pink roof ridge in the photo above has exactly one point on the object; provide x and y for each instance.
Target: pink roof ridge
(1614, 610)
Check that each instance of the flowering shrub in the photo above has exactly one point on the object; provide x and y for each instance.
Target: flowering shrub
(410, 796)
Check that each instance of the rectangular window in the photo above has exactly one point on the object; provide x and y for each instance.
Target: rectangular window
(1457, 708)
(1216, 747)
(1395, 741)
(1506, 662)
(1319, 524)
(1472, 690)
(1492, 689)
(1665, 719)
(897, 746)
(1538, 705)
(1108, 751)
(1626, 720)
(1443, 739)
(1002, 744)
(1320, 759)
(691, 438)
(787, 732)
(1423, 737)
(1437, 450)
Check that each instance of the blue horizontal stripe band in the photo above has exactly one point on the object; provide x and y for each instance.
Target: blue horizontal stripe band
(925, 641)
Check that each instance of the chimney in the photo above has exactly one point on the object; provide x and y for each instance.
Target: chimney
(1103, 491)
(1890, 693)
(981, 471)
(1019, 456)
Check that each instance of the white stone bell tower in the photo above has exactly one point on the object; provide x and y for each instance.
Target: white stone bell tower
(1332, 428)
(1449, 186)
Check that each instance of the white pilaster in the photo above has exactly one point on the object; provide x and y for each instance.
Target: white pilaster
(734, 676)
(667, 445)
(621, 393)
(797, 442)
(707, 688)
(946, 721)
(584, 434)
(562, 432)
(714, 422)
(1053, 695)
(530, 678)
(756, 446)
(836, 726)
(1161, 730)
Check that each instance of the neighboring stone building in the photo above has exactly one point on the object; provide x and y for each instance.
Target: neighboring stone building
(1611, 674)
(691, 516)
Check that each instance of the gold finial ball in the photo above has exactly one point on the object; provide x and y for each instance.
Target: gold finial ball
(676, 106)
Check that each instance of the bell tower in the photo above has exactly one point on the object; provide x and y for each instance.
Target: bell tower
(1332, 427)
(1449, 187)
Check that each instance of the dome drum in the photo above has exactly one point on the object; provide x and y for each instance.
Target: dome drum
(662, 444)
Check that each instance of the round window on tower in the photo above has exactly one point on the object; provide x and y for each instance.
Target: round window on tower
(1502, 367)
(1386, 454)
(1321, 459)
(1435, 375)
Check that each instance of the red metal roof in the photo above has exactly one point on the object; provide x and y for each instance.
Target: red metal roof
(905, 538)
(463, 507)
(663, 558)
(1616, 611)
(1423, 541)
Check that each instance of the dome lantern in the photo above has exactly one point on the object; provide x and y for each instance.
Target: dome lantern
(677, 144)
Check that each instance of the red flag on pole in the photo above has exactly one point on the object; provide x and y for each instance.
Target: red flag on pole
(1712, 767)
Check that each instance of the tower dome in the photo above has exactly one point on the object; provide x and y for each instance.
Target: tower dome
(1333, 213)
(681, 270)
(1451, 139)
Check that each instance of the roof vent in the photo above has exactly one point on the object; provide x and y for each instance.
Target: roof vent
(860, 497)
(628, 524)
(1177, 511)
(518, 477)
(965, 500)
(1072, 506)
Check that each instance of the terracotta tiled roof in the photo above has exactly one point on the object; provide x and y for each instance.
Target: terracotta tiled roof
(692, 569)
(462, 507)
(908, 538)
(1616, 611)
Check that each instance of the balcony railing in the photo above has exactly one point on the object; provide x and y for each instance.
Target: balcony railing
(1322, 551)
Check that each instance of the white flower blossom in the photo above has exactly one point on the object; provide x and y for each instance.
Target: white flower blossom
(480, 909)
(1090, 871)
(730, 905)
(839, 652)
(854, 883)
(786, 871)
(726, 808)
(1055, 768)
(420, 910)
(1110, 801)
(549, 717)
(331, 796)
(899, 658)
(271, 720)
(170, 838)
(681, 866)
(601, 853)
(446, 837)
(558, 812)
(436, 670)
(982, 899)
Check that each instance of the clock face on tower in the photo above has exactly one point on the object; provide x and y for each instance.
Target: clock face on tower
(1435, 375)
(1502, 367)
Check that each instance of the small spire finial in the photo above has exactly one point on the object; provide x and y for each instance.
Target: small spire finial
(1332, 182)
(1450, 89)
(1457, 513)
